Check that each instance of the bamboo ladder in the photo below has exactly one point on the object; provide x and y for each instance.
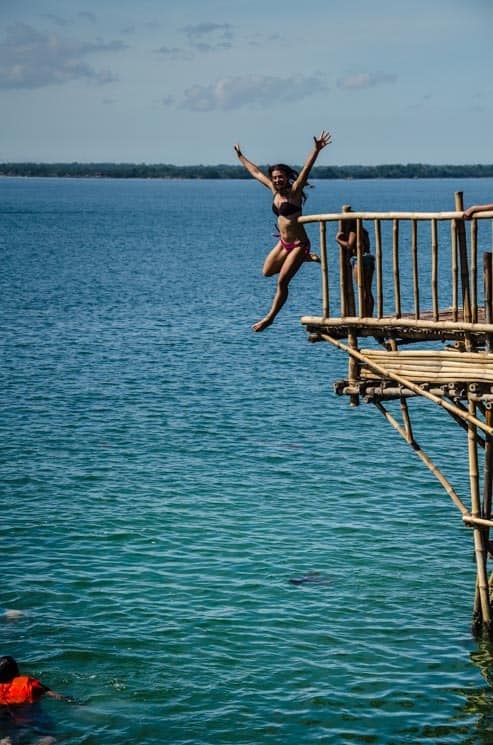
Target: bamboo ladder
(458, 379)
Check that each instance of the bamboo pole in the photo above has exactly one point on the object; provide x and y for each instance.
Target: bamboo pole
(406, 383)
(409, 323)
(474, 271)
(378, 261)
(360, 273)
(425, 458)
(423, 354)
(487, 283)
(479, 544)
(334, 216)
(414, 252)
(325, 272)
(434, 269)
(471, 520)
(406, 419)
(487, 276)
(395, 267)
(488, 471)
(455, 270)
(353, 367)
(473, 461)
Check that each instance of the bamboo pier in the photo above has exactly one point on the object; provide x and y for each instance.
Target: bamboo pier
(430, 335)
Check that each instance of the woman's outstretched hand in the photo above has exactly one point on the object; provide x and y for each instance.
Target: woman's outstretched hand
(322, 140)
(237, 150)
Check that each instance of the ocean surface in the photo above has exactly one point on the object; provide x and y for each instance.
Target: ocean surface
(165, 473)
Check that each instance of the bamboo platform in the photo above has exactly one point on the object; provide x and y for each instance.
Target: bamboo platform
(450, 363)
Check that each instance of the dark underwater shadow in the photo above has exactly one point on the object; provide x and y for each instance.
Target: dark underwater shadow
(26, 723)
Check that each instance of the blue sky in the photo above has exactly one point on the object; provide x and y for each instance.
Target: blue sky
(179, 81)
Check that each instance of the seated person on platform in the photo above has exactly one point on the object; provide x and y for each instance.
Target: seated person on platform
(346, 238)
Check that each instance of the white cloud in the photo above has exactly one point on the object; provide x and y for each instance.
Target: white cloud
(33, 59)
(251, 90)
(362, 80)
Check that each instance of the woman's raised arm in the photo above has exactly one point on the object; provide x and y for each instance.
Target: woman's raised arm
(252, 169)
(320, 142)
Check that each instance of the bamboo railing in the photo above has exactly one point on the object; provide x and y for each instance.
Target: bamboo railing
(427, 289)
(460, 268)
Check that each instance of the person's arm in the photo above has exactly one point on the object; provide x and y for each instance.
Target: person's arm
(320, 142)
(252, 169)
(54, 694)
(477, 208)
(349, 243)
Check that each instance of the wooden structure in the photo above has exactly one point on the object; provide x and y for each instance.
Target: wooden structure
(430, 335)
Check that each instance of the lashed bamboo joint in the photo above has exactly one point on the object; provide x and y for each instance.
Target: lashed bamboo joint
(428, 292)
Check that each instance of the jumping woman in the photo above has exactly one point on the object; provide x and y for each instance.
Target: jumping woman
(293, 248)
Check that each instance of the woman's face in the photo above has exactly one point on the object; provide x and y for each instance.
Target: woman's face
(280, 180)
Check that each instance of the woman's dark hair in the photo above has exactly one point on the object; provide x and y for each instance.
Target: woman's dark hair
(8, 669)
(290, 173)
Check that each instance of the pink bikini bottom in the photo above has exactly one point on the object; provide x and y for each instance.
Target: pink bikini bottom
(305, 245)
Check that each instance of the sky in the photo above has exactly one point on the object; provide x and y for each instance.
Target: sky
(181, 81)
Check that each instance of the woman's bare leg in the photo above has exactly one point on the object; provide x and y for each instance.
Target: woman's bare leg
(290, 266)
(274, 260)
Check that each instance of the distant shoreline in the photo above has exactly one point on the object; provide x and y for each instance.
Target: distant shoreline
(219, 172)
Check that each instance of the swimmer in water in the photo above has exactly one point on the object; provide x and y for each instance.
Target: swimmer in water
(293, 247)
(20, 689)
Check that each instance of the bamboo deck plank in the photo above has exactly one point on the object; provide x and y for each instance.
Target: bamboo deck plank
(432, 366)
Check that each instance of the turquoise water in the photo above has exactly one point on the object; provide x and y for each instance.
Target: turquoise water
(166, 472)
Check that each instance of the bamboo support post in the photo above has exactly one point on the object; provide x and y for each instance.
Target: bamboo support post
(487, 277)
(479, 542)
(474, 271)
(325, 271)
(353, 368)
(434, 269)
(406, 419)
(414, 253)
(488, 471)
(487, 285)
(455, 269)
(395, 267)
(360, 272)
(378, 262)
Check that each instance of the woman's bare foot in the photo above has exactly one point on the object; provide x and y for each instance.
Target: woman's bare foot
(313, 257)
(261, 325)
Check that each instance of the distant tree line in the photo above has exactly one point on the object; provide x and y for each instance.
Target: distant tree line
(165, 171)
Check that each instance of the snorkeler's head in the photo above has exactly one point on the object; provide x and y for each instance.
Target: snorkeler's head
(8, 669)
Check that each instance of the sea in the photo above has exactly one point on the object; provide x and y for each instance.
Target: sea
(202, 544)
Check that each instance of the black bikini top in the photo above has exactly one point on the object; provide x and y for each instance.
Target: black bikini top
(285, 209)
